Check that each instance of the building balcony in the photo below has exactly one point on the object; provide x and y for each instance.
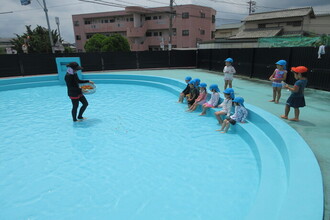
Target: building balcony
(136, 31)
(109, 27)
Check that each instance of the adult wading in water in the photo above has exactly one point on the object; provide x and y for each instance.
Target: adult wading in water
(74, 91)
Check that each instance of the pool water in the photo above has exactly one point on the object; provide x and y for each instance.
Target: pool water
(139, 155)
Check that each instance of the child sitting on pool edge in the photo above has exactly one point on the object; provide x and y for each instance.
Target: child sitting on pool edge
(239, 115)
(214, 100)
(201, 99)
(193, 94)
(225, 105)
(186, 91)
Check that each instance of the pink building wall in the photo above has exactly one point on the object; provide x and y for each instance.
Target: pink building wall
(147, 28)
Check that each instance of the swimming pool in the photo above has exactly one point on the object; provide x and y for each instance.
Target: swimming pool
(140, 156)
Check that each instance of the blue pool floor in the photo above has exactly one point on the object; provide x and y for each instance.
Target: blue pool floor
(314, 118)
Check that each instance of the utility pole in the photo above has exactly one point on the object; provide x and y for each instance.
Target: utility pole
(49, 30)
(252, 5)
(171, 26)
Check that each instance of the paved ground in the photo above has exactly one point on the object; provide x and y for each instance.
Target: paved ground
(313, 127)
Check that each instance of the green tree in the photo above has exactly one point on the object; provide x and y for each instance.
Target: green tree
(37, 40)
(95, 43)
(115, 43)
(101, 43)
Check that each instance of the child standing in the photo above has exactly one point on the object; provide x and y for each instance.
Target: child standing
(193, 94)
(201, 99)
(214, 100)
(225, 105)
(229, 72)
(277, 77)
(186, 91)
(297, 98)
(239, 115)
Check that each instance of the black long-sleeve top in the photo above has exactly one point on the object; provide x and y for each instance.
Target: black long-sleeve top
(72, 83)
(186, 91)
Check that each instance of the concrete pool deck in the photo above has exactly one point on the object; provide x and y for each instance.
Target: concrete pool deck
(314, 118)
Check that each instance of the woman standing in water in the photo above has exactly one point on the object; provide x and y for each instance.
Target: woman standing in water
(74, 91)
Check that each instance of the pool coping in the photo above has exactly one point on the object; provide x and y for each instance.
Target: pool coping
(304, 191)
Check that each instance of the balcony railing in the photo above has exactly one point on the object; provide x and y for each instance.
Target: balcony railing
(136, 31)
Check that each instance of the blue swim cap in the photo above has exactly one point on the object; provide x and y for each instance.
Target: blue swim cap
(215, 87)
(203, 85)
(188, 78)
(197, 80)
(281, 62)
(230, 60)
(230, 91)
(192, 82)
(239, 100)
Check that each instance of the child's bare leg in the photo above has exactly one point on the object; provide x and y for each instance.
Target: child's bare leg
(278, 93)
(223, 125)
(181, 97)
(193, 107)
(204, 110)
(218, 116)
(226, 84)
(226, 128)
(230, 83)
(286, 112)
(274, 95)
(296, 115)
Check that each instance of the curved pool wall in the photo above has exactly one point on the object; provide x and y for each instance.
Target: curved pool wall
(301, 195)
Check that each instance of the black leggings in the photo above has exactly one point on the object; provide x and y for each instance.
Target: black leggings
(75, 104)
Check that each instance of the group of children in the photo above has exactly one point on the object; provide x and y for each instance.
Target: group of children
(196, 95)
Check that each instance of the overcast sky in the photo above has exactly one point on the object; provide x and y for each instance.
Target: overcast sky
(228, 11)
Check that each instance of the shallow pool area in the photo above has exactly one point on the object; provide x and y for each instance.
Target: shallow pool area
(139, 155)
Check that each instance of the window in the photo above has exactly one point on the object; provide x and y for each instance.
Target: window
(185, 33)
(88, 22)
(212, 34)
(131, 19)
(155, 34)
(78, 37)
(76, 23)
(159, 17)
(202, 32)
(112, 20)
(202, 15)
(154, 17)
(148, 34)
(185, 15)
(89, 36)
(213, 18)
(261, 25)
(294, 23)
(148, 18)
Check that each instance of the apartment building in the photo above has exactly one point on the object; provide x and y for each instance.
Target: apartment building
(149, 28)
